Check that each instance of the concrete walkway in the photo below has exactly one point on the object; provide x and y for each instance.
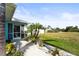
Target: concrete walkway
(34, 50)
(30, 49)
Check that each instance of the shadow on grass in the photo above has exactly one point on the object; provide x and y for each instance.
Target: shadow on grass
(50, 40)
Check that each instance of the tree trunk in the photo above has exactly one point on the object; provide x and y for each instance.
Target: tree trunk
(36, 36)
(31, 33)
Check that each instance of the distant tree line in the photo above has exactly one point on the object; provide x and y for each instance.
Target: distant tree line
(72, 29)
(37, 26)
(67, 29)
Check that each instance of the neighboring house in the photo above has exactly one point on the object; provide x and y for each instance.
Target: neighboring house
(14, 29)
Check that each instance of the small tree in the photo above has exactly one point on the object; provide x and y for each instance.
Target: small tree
(34, 30)
(30, 29)
(37, 26)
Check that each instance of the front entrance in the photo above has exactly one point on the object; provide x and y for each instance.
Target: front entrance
(10, 32)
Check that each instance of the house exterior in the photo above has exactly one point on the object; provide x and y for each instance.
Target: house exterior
(2, 28)
(9, 29)
(13, 29)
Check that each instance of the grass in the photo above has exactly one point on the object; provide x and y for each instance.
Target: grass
(68, 41)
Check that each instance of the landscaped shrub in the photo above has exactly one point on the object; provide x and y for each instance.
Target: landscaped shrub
(11, 50)
(18, 53)
(40, 43)
(55, 52)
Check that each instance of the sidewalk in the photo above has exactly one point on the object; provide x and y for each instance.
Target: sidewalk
(35, 51)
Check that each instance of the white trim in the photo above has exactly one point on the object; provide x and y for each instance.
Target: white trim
(20, 31)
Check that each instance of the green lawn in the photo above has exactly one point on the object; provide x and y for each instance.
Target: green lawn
(68, 41)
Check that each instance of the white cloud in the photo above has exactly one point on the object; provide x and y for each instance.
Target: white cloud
(24, 14)
(65, 18)
(69, 16)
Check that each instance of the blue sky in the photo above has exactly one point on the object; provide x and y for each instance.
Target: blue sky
(53, 14)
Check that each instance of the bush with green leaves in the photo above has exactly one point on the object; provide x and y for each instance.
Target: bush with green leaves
(55, 52)
(18, 53)
(11, 50)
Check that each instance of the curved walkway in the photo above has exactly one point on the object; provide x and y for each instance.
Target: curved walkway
(34, 50)
(30, 49)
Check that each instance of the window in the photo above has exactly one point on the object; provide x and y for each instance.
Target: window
(16, 34)
(16, 31)
(16, 28)
(22, 35)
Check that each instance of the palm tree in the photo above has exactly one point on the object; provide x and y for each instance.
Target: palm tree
(36, 34)
(30, 28)
(34, 30)
(37, 27)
